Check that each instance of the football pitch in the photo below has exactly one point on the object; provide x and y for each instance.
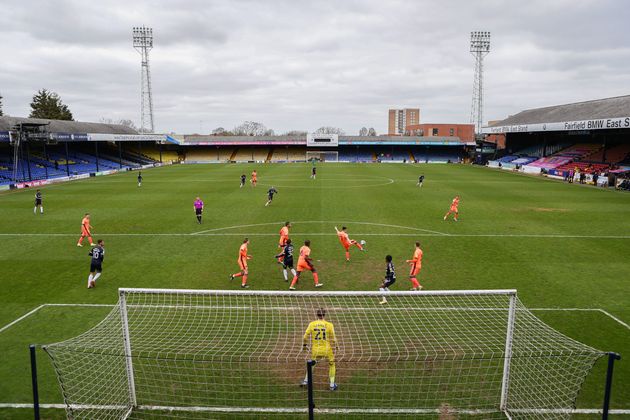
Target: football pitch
(565, 248)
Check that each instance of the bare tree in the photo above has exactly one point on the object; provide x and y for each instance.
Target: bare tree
(252, 128)
(218, 131)
(329, 130)
(363, 131)
(295, 133)
(125, 122)
(371, 132)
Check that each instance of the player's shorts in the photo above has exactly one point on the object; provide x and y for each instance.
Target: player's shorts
(415, 269)
(243, 265)
(96, 268)
(283, 241)
(323, 354)
(389, 281)
(85, 232)
(270, 197)
(38, 202)
(198, 211)
(287, 263)
(346, 245)
(454, 209)
(304, 267)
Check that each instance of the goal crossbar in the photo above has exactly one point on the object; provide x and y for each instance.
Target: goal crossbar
(490, 292)
(186, 353)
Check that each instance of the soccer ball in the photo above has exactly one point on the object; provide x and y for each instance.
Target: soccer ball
(362, 242)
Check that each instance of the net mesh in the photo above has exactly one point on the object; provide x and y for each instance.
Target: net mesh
(221, 354)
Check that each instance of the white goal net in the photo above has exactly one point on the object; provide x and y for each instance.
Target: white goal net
(238, 354)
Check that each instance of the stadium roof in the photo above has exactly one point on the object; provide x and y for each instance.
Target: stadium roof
(60, 126)
(599, 114)
(589, 110)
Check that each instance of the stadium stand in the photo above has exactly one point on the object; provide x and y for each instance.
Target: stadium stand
(289, 154)
(565, 156)
(208, 154)
(615, 154)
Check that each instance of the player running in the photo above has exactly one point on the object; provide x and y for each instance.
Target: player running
(313, 172)
(390, 278)
(284, 237)
(243, 179)
(38, 203)
(198, 207)
(96, 265)
(420, 181)
(453, 209)
(86, 229)
(346, 242)
(270, 194)
(254, 179)
(305, 263)
(286, 259)
(416, 265)
(139, 179)
(242, 263)
(321, 335)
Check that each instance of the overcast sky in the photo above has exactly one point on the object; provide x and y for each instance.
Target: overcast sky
(300, 65)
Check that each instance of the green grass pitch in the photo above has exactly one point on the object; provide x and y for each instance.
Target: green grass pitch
(561, 246)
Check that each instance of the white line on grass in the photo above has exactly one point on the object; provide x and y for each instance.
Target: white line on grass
(323, 221)
(33, 311)
(418, 234)
(321, 410)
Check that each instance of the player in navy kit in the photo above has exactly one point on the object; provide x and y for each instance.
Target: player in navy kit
(287, 259)
(139, 179)
(96, 265)
(313, 172)
(390, 278)
(243, 179)
(38, 203)
(270, 194)
(420, 181)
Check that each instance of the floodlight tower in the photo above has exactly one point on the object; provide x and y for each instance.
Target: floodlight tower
(143, 43)
(479, 48)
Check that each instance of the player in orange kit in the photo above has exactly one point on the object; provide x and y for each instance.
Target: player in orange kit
(254, 178)
(305, 263)
(86, 229)
(416, 265)
(346, 242)
(284, 236)
(242, 263)
(453, 209)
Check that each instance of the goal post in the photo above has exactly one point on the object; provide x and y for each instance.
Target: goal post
(165, 353)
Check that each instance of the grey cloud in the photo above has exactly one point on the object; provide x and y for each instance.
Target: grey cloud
(300, 65)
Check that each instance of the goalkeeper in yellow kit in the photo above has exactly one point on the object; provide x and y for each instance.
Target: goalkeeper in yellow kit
(322, 338)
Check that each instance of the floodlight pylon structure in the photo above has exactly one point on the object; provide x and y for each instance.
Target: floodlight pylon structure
(143, 43)
(479, 48)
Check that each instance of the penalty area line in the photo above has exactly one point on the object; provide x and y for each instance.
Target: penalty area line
(104, 305)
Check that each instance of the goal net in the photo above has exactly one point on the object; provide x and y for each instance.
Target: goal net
(238, 354)
(323, 156)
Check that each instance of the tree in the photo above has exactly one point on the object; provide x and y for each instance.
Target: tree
(252, 128)
(48, 105)
(329, 130)
(1, 114)
(295, 133)
(372, 132)
(363, 131)
(124, 122)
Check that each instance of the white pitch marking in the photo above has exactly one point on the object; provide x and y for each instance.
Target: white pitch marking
(614, 318)
(304, 410)
(323, 221)
(419, 234)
